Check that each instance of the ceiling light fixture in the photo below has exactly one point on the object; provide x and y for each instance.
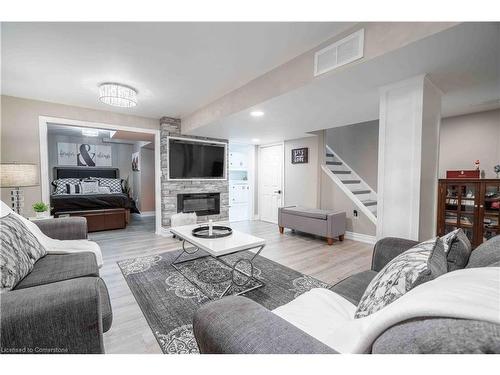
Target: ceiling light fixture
(256, 113)
(90, 132)
(117, 95)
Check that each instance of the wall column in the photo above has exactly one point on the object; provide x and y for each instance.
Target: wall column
(410, 116)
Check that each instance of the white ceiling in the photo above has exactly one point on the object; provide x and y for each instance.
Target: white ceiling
(464, 62)
(176, 67)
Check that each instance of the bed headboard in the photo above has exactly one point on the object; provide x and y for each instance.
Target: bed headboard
(84, 172)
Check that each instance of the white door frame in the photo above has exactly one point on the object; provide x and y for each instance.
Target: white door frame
(44, 157)
(259, 189)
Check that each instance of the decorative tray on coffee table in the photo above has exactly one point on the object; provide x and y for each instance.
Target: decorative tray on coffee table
(218, 231)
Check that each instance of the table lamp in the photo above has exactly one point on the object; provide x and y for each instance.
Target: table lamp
(17, 175)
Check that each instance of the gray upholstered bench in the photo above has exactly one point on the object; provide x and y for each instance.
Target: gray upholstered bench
(323, 223)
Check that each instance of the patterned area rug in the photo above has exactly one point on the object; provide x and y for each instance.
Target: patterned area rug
(168, 300)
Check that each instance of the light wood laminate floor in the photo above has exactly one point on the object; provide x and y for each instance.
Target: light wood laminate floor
(130, 333)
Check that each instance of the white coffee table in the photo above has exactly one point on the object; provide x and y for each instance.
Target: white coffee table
(217, 247)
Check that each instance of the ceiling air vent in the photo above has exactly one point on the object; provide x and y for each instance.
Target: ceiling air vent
(339, 53)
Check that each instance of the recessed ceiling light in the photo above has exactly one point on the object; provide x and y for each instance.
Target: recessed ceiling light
(118, 95)
(90, 132)
(255, 140)
(256, 113)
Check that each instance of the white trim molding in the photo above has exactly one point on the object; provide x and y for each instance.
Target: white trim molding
(360, 237)
(145, 213)
(44, 158)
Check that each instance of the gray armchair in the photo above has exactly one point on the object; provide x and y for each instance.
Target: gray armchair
(62, 305)
(62, 317)
(64, 228)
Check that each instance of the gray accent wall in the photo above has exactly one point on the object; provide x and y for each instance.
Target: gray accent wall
(121, 153)
(170, 189)
(357, 145)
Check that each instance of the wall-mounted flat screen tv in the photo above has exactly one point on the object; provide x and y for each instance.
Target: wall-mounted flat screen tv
(189, 159)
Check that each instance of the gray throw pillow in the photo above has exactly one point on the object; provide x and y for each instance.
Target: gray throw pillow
(423, 262)
(18, 253)
(485, 254)
(458, 252)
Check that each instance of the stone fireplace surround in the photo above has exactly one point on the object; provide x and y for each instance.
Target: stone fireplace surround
(170, 189)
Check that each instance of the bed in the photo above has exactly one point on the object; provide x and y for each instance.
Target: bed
(103, 211)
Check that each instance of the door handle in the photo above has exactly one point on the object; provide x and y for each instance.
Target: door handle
(278, 191)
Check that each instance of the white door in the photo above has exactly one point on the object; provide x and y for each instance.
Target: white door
(270, 182)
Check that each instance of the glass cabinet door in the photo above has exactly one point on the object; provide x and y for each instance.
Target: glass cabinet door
(491, 210)
(461, 207)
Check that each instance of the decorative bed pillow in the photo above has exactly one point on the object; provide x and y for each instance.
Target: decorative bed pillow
(60, 184)
(90, 186)
(457, 248)
(73, 188)
(114, 184)
(423, 262)
(18, 253)
(104, 190)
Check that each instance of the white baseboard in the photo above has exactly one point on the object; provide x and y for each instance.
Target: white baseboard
(360, 237)
(146, 213)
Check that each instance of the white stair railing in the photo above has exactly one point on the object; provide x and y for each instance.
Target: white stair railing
(353, 197)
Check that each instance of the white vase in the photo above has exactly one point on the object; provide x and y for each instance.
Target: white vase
(41, 215)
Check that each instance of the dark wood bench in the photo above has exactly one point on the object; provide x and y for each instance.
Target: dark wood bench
(97, 220)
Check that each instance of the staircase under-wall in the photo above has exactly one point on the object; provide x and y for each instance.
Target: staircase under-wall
(353, 186)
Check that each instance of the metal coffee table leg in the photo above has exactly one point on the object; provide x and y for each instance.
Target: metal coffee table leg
(250, 277)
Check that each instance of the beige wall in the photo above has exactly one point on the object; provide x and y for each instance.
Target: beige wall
(20, 137)
(467, 138)
(357, 145)
(147, 180)
(301, 180)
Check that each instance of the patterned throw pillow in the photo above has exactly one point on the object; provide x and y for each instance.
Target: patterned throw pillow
(114, 184)
(423, 262)
(73, 188)
(60, 184)
(18, 252)
(90, 186)
(448, 239)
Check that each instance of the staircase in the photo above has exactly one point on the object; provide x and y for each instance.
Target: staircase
(357, 190)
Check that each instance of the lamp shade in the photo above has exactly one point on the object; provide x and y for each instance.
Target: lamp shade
(18, 175)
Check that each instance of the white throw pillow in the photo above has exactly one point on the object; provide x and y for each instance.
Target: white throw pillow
(90, 186)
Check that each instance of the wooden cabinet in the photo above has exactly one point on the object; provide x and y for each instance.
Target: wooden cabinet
(470, 204)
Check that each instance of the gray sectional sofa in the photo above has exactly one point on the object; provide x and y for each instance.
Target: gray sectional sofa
(62, 306)
(240, 325)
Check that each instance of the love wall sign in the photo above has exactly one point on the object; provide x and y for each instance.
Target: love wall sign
(84, 154)
(300, 155)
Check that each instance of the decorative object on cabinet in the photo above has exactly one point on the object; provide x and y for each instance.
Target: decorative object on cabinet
(463, 174)
(496, 169)
(472, 204)
(477, 164)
